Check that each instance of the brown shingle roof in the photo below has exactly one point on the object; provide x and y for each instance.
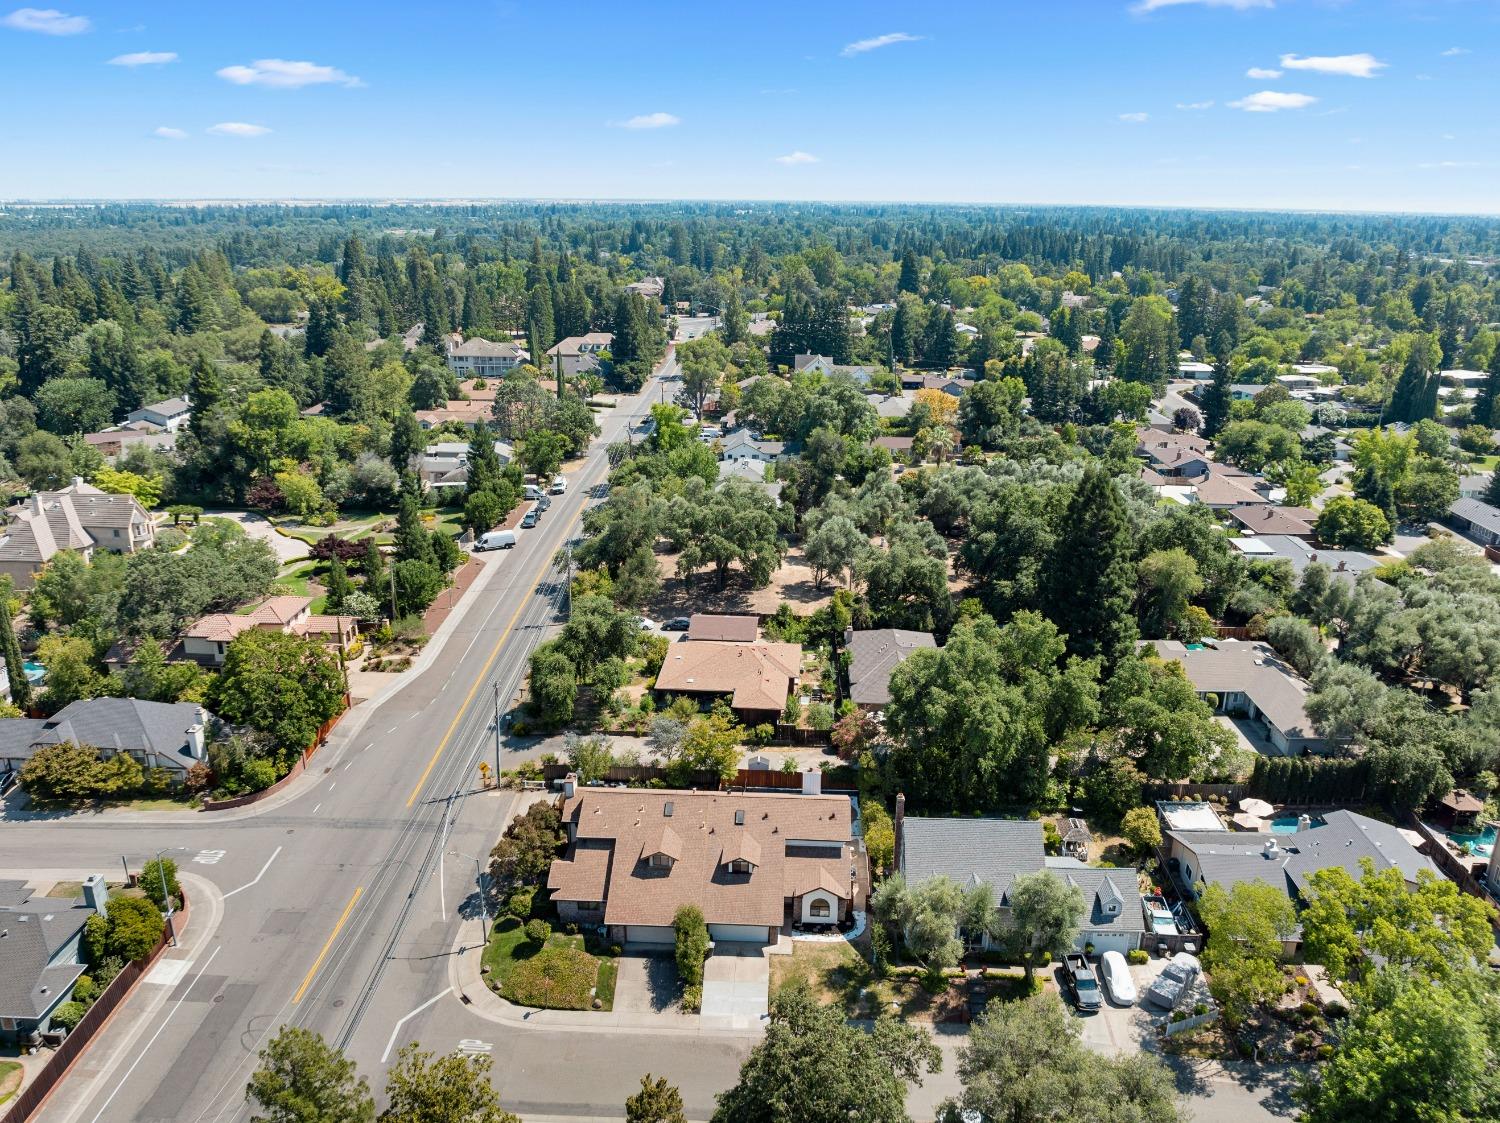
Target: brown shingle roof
(632, 821)
(728, 629)
(1268, 518)
(758, 675)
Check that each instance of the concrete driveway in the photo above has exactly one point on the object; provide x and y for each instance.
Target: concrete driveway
(646, 984)
(287, 549)
(736, 986)
(1123, 1029)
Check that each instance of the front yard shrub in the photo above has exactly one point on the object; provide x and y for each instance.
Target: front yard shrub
(538, 931)
(68, 1015)
(1336, 1009)
(692, 998)
(85, 990)
(1136, 956)
(692, 944)
(519, 905)
(555, 978)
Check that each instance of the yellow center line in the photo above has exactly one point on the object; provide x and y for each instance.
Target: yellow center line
(322, 955)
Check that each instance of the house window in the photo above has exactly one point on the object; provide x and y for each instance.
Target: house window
(661, 861)
(739, 865)
(819, 908)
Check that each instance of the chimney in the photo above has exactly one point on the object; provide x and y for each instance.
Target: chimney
(1304, 822)
(1271, 850)
(195, 740)
(848, 636)
(569, 785)
(36, 502)
(900, 819)
(96, 893)
(812, 782)
(77, 482)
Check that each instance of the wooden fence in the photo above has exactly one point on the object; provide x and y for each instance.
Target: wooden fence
(40, 1086)
(1453, 869)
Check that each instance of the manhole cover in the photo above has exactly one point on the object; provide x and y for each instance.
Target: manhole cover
(218, 998)
(337, 1002)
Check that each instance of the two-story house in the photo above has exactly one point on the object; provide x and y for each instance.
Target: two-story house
(78, 517)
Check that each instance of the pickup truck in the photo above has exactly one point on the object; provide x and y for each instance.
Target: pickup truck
(1083, 983)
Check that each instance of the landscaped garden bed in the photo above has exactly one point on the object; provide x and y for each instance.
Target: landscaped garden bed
(556, 973)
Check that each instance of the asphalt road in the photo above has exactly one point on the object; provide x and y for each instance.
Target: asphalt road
(342, 906)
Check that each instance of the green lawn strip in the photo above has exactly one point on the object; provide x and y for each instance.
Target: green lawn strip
(559, 976)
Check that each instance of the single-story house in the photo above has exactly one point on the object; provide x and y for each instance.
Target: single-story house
(40, 955)
(819, 364)
(890, 405)
(1474, 485)
(706, 626)
(467, 413)
(896, 446)
(1346, 565)
(757, 677)
(207, 639)
(995, 852)
(1245, 677)
(1476, 519)
(1222, 490)
(873, 656)
(484, 358)
(111, 442)
(170, 735)
(1245, 391)
(1295, 382)
(1192, 368)
(1270, 518)
(649, 287)
(170, 415)
(740, 445)
(751, 472)
(754, 863)
(1286, 861)
(79, 517)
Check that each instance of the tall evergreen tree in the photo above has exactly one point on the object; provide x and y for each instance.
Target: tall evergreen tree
(911, 274)
(1492, 489)
(484, 462)
(1091, 579)
(205, 392)
(1216, 396)
(1485, 412)
(1104, 350)
(411, 540)
(406, 440)
(15, 667)
(1415, 395)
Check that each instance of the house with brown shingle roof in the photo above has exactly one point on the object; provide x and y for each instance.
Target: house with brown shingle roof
(753, 862)
(757, 677)
(727, 629)
(1271, 518)
(79, 517)
(207, 639)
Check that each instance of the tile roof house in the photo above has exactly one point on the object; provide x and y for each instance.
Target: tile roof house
(873, 655)
(753, 862)
(484, 358)
(1270, 518)
(756, 676)
(170, 735)
(1477, 520)
(1286, 861)
(466, 413)
(1225, 489)
(207, 639)
(995, 852)
(1245, 677)
(40, 956)
(170, 415)
(79, 517)
(725, 629)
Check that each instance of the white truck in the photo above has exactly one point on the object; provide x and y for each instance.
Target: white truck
(495, 540)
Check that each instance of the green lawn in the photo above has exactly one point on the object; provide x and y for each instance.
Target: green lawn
(10, 1079)
(559, 976)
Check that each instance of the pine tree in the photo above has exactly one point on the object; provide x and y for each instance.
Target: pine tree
(1492, 490)
(1216, 396)
(411, 539)
(540, 323)
(204, 391)
(1091, 579)
(656, 1102)
(911, 274)
(338, 585)
(484, 462)
(406, 440)
(1104, 351)
(1489, 390)
(1412, 397)
(15, 667)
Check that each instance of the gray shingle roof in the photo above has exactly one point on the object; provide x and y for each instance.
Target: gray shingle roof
(1103, 888)
(34, 932)
(1253, 669)
(873, 655)
(128, 725)
(971, 851)
(1477, 513)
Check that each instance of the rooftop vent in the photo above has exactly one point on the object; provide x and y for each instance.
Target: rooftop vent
(666, 809)
(739, 818)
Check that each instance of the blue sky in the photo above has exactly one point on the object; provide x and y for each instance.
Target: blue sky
(1356, 105)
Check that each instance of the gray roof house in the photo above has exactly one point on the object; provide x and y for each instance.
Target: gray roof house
(78, 517)
(1249, 678)
(873, 656)
(39, 954)
(170, 415)
(740, 445)
(1477, 520)
(1287, 861)
(170, 735)
(995, 852)
(751, 472)
(1346, 565)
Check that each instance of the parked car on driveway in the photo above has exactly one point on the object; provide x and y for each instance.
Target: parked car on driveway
(1083, 983)
(1117, 978)
(677, 624)
(1168, 988)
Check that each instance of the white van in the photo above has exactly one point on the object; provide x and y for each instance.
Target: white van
(495, 540)
(531, 491)
(559, 486)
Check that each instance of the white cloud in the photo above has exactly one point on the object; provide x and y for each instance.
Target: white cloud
(1262, 72)
(1237, 5)
(860, 46)
(1453, 164)
(651, 121)
(798, 157)
(284, 74)
(47, 21)
(144, 58)
(1135, 118)
(1452, 52)
(1195, 105)
(1350, 66)
(166, 132)
(1272, 101)
(237, 128)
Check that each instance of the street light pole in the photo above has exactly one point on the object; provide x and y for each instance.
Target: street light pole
(166, 897)
(497, 734)
(484, 913)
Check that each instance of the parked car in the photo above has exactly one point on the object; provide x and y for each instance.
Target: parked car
(531, 491)
(1117, 980)
(1175, 978)
(645, 624)
(9, 778)
(559, 486)
(1083, 983)
(677, 624)
(495, 540)
(530, 518)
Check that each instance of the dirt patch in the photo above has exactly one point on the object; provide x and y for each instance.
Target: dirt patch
(438, 611)
(792, 582)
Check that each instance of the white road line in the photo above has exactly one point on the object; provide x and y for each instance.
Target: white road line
(315, 808)
(391, 1044)
(258, 876)
(154, 1036)
(348, 766)
(333, 785)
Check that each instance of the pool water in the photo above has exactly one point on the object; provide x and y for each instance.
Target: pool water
(1480, 845)
(35, 672)
(1287, 824)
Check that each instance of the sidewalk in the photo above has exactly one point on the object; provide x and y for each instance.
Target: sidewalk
(95, 1067)
(468, 983)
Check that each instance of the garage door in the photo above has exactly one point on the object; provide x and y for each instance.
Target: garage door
(1109, 941)
(738, 933)
(660, 935)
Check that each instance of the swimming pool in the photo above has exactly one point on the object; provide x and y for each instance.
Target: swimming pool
(35, 672)
(1287, 824)
(1480, 845)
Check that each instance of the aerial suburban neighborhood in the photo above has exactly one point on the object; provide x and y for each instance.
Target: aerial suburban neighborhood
(518, 604)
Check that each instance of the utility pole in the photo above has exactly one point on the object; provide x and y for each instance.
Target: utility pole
(165, 896)
(392, 572)
(497, 734)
